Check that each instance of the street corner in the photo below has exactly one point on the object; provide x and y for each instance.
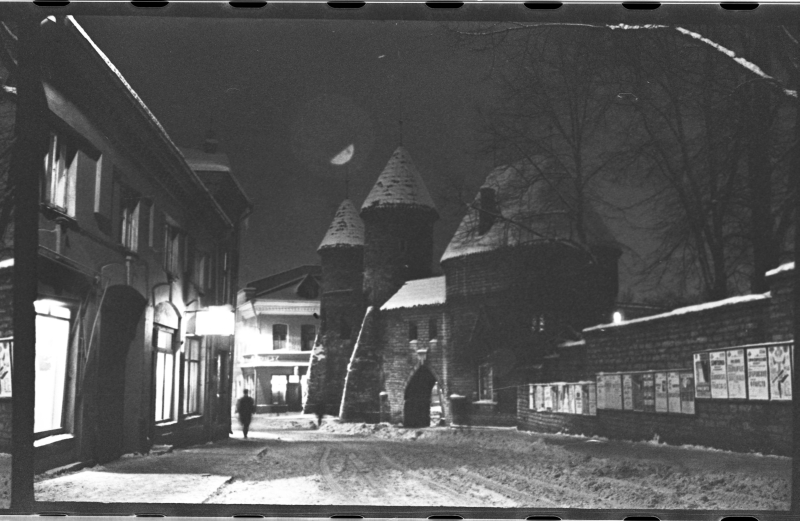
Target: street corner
(111, 487)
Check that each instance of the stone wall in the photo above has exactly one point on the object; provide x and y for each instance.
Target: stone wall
(362, 385)
(667, 343)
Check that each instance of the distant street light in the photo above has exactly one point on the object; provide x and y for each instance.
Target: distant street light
(617, 317)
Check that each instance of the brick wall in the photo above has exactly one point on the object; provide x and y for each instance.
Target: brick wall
(668, 342)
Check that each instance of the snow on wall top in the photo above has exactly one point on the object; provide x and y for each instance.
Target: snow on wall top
(347, 228)
(201, 161)
(686, 310)
(780, 269)
(399, 185)
(422, 292)
(531, 204)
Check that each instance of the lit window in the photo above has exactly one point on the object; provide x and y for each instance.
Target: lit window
(279, 333)
(129, 221)
(485, 382)
(165, 372)
(307, 334)
(412, 330)
(433, 329)
(61, 169)
(52, 345)
(192, 373)
(537, 326)
(278, 389)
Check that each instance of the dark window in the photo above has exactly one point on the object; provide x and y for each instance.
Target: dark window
(279, 332)
(173, 250)
(193, 377)
(61, 170)
(412, 330)
(433, 329)
(129, 218)
(485, 382)
(307, 333)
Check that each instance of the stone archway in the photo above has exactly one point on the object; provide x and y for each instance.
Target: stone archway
(417, 405)
(119, 319)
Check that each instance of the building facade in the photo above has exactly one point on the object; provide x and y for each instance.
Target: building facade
(134, 248)
(277, 322)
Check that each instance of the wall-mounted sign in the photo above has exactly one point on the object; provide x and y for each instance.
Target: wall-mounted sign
(687, 393)
(757, 376)
(737, 383)
(780, 373)
(719, 375)
(661, 393)
(6, 346)
(649, 392)
(627, 392)
(702, 376)
(614, 392)
(674, 392)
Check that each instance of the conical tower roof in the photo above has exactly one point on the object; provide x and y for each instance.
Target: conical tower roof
(399, 185)
(347, 228)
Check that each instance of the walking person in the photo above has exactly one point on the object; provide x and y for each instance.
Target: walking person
(245, 407)
(319, 410)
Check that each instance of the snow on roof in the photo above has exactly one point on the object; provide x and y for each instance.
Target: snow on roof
(202, 161)
(399, 185)
(421, 292)
(686, 310)
(573, 343)
(780, 269)
(533, 205)
(347, 228)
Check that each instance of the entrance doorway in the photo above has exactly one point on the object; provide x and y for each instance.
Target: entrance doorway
(417, 406)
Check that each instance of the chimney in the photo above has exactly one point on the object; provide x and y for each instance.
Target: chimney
(487, 210)
(211, 144)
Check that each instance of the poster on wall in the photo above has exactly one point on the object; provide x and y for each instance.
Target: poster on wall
(5, 368)
(532, 390)
(687, 393)
(661, 393)
(627, 392)
(719, 375)
(601, 392)
(780, 373)
(614, 392)
(577, 391)
(565, 395)
(592, 399)
(548, 398)
(585, 398)
(637, 391)
(539, 398)
(702, 376)
(649, 392)
(737, 385)
(674, 392)
(556, 397)
(757, 378)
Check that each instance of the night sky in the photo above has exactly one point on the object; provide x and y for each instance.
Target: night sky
(284, 97)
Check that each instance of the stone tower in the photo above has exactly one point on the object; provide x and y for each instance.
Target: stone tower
(398, 217)
(341, 307)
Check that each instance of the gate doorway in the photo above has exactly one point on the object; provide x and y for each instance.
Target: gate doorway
(119, 318)
(417, 405)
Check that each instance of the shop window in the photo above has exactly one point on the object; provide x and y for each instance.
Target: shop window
(61, 170)
(412, 331)
(193, 376)
(433, 329)
(485, 382)
(52, 346)
(129, 219)
(163, 341)
(307, 334)
(279, 333)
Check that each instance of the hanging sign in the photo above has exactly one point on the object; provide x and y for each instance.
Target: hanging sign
(661, 393)
(649, 392)
(687, 393)
(702, 376)
(601, 392)
(719, 375)
(737, 383)
(757, 377)
(627, 392)
(780, 373)
(674, 392)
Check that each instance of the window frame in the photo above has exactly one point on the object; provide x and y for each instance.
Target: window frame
(63, 427)
(166, 351)
(304, 328)
(58, 167)
(485, 382)
(433, 329)
(173, 249)
(199, 364)
(284, 340)
(413, 331)
(130, 212)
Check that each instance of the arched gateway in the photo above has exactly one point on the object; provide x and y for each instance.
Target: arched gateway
(417, 406)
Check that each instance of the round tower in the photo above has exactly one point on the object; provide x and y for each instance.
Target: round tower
(398, 217)
(341, 307)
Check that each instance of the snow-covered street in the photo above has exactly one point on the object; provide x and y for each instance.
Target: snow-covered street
(358, 464)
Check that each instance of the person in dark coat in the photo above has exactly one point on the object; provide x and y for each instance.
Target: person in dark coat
(245, 407)
(319, 410)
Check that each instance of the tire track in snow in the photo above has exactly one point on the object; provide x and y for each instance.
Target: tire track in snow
(452, 494)
(327, 475)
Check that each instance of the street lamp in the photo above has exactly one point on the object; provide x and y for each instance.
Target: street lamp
(215, 320)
